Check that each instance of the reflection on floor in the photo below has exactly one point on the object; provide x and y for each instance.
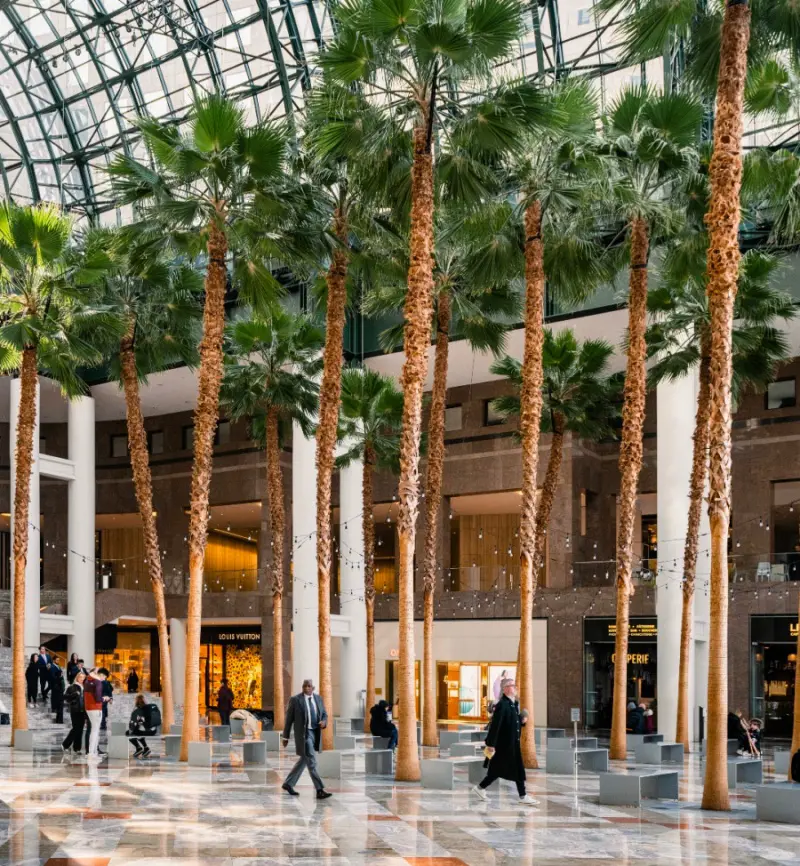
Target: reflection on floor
(160, 813)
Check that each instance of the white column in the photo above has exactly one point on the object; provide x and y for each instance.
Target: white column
(353, 656)
(33, 566)
(80, 527)
(177, 655)
(305, 604)
(676, 406)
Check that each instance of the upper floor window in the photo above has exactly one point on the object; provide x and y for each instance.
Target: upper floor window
(222, 435)
(584, 16)
(780, 394)
(490, 415)
(119, 446)
(452, 417)
(155, 441)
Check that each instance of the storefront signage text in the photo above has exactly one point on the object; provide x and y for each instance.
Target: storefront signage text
(639, 629)
(773, 629)
(603, 629)
(209, 634)
(634, 658)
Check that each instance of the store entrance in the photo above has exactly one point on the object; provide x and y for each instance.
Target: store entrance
(773, 662)
(234, 655)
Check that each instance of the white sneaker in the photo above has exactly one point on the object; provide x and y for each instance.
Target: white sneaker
(527, 800)
(479, 792)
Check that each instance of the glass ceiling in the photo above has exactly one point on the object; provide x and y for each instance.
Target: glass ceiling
(74, 74)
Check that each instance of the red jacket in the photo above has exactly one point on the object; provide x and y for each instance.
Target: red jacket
(92, 694)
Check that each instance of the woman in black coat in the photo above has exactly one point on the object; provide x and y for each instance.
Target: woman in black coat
(32, 678)
(379, 724)
(73, 667)
(57, 692)
(503, 747)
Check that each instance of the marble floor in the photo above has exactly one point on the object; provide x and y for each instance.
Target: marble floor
(160, 813)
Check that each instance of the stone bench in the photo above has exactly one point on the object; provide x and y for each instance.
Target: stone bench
(447, 738)
(635, 740)
(329, 764)
(779, 802)
(220, 733)
(542, 735)
(439, 773)
(381, 743)
(659, 753)
(344, 743)
(563, 761)
(172, 745)
(23, 740)
(272, 739)
(747, 771)
(463, 750)
(783, 759)
(200, 752)
(629, 789)
(117, 729)
(571, 743)
(237, 727)
(342, 727)
(378, 762)
(119, 749)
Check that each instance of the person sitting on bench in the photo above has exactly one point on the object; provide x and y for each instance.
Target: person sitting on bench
(380, 723)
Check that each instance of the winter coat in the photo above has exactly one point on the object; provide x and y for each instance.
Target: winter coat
(92, 694)
(73, 668)
(32, 677)
(225, 699)
(296, 716)
(635, 722)
(56, 687)
(137, 726)
(379, 724)
(503, 736)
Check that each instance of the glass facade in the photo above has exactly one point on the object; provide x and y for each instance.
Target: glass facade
(232, 653)
(773, 660)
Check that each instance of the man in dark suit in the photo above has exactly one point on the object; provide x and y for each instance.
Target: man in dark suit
(307, 713)
(45, 660)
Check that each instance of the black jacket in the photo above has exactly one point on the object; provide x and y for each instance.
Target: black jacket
(56, 687)
(79, 705)
(503, 736)
(379, 724)
(137, 726)
(72, 671)
(32, 676)
(635, 722)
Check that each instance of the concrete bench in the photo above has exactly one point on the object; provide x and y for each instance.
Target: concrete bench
(119, 749)
(220, 733)
(237, 727)
(659, 753)
(783, 758)
(747, 771)
(542, 735)
(733, 748)
(23, 741)
(378, 762)
(272, 739)
(477, 736)
(380, 743)
(463, 750)
(200, 753)
(329, 764)
(342, 727)
(571, 743)
(589, 760)
(343, 742)
(447, 738)
(118, 729)
(176, 729)
(629, 789)
(779, 802)
(635, 740)
(172, 745)
(439, 773)
(254, 752)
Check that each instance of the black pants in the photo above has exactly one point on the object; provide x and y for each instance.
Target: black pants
(44, 683)
(59, 711)
(73, 739)
(32, 691)
(491, 777)
(138, 743)
(225, 717)
(104, 722)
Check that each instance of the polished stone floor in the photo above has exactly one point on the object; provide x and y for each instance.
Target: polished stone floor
(160, 813)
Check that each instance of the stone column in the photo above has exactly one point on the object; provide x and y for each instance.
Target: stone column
(353, 655)
(676, 408)
(80, 527)
(177, 655)
(305, 603)
(33, 566)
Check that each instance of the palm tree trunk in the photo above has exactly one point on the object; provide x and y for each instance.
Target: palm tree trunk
(277, 523)
(433, 507)
(368, 528)
(548, 496)
(205, 422)
(143, 488)
(329, 393)
(23, 462)
(630, 465)
(722, 270)
(697, 482)
(530, 417)
(417, 337)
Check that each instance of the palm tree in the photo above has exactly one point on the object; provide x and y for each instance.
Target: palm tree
(215, 184)
(578, 395)
(650, 140)
(724, 44)
(156, 298)
(407, 59)
(271, 365)
(479, 313)
(371, 414)
(680, 340)
(45, 325)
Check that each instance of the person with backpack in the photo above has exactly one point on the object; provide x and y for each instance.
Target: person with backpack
(144, 721)
(73, 698)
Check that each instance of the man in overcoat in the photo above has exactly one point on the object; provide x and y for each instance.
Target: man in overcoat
(306, 712)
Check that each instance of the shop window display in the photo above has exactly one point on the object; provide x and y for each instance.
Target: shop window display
(133, 652)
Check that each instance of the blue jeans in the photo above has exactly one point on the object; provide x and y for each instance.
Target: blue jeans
(393, 738)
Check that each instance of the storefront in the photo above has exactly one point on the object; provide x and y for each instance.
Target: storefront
(773, 659)
(599, 634)
(122, 649)
(231, 653)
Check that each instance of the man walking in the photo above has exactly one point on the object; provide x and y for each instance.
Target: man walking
(308, 715)
(503, 748)
(45, 660)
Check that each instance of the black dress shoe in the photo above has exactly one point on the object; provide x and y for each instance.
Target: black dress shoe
(290, 790)
(323, 795)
